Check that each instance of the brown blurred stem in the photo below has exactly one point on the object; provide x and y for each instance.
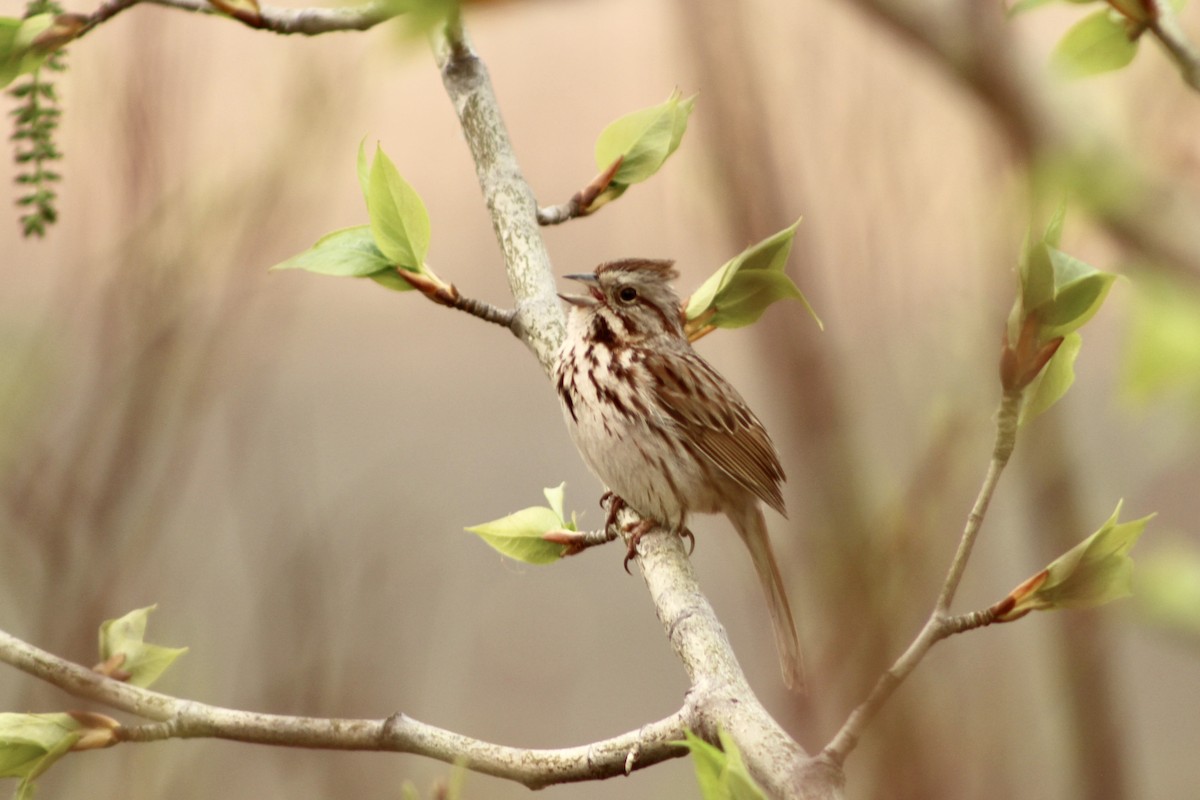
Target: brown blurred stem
(1154, 216)
(1164, 24)
(940, 624)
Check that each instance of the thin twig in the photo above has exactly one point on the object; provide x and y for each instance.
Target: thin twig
(1006, 437)
(583, 202)
(447, 294)
(504, 317)
(939, 625)
(556, 215)
(578, 541)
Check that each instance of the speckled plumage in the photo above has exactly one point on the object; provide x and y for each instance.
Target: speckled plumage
(660, 427)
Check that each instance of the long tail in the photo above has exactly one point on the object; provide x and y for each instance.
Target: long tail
(752, 526)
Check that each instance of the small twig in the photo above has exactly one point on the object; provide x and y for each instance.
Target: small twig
(939, 625)
(1006, 437)
(578, 541)
(581, 203)
(448, 295)
(1164, 24)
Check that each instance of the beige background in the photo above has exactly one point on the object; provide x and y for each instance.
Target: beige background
(285, 462)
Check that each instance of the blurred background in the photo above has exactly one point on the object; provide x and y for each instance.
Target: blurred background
(285, 462)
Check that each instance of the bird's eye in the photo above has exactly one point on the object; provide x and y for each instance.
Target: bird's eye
(627, 294)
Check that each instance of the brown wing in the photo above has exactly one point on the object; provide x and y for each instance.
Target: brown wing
(718, 422)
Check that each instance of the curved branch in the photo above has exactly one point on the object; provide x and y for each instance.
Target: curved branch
(178, 718)
(305, 21)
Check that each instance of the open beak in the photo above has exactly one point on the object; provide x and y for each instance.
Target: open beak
(588, 300)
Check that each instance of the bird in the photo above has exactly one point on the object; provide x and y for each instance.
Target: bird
(662, 429)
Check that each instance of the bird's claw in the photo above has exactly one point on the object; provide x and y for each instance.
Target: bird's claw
(691, 539)
(635, 530)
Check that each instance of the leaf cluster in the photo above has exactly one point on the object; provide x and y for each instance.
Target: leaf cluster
(1096, 571)
(1058, 295)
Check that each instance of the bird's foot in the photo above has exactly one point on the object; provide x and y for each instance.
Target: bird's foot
(635, 531)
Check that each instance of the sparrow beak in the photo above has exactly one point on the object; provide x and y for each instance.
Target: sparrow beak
(588, 300)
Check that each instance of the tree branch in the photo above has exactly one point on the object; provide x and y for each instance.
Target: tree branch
(306, 21)
(720, 694)
(720, 697)
(177, 718)
(939, 625)
(539, 321)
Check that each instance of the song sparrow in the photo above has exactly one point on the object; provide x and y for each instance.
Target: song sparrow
(658, 425)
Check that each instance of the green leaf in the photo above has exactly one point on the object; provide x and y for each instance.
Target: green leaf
(519, 535)
(1168, 588)
(739, 292)
(1021, 6)
(1054, 380)
(1053, 234)
(1037, 276)
(554, 496)
(720, 771)
(389, 278)
(350, 252)
(399, 221)
(1098, 43)
(1162, 355)
(1096, 571)
(1079, 291)
(18, 55)
(747, 295)
(364, 169)
(31, 743)
(643, 139)
(143, 662)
